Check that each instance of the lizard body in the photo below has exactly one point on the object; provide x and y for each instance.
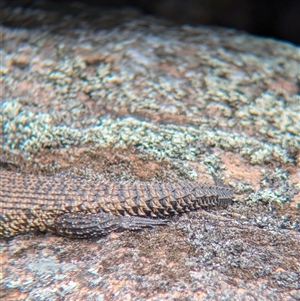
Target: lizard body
(87, 208)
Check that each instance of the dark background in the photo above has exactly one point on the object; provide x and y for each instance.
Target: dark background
(277, 19)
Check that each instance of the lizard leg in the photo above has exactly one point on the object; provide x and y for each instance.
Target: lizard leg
(85, 225)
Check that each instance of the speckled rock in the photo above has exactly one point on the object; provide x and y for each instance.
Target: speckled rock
(126, 96)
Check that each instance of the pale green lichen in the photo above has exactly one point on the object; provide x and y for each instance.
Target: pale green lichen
(241, 187)
(30, 132)
(214, 166)
(275, 187)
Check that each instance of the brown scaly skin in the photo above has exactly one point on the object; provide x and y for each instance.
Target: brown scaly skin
(86, 208)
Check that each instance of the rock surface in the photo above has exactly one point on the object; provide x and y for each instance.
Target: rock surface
(126, 96)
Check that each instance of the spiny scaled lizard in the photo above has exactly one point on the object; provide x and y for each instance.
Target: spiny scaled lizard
(87, 208)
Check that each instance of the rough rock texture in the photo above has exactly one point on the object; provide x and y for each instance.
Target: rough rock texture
(116, 94)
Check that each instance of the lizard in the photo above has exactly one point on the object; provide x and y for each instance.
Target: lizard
(81, 208)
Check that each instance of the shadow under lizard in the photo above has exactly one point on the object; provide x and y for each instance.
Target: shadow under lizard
(86, 208)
